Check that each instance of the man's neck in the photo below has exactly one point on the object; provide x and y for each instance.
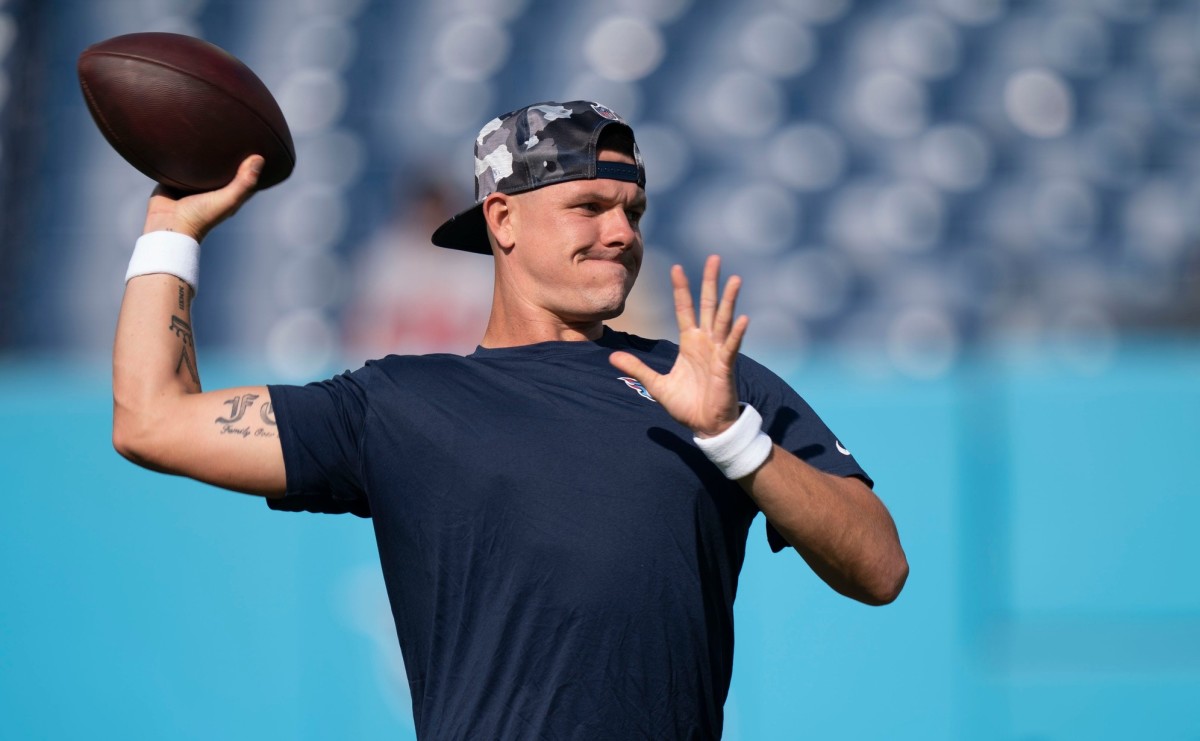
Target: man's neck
(504, 332)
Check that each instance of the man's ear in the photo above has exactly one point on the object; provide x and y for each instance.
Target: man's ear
(498, 212)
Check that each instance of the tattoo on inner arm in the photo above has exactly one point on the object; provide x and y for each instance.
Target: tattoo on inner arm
(182, 295)
(238, 406)
(187, 357)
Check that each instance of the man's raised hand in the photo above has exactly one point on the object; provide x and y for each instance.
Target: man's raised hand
(700, 390)
(196, 215)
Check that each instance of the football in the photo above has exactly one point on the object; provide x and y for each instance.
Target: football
(183, 111)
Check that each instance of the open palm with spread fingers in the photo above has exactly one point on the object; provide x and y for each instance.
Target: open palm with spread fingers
(700, 390)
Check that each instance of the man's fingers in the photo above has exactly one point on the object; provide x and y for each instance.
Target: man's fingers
(226, 201)
(708, 292)
(196, 214)
(725, 310)
(635, 368)
(685, 313)
(716, 312)
(733, 343)
(243, 183)
(251, 168)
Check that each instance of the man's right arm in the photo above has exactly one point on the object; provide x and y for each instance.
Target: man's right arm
(161, 418)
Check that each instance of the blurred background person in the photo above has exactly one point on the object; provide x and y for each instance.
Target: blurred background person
(409, 296)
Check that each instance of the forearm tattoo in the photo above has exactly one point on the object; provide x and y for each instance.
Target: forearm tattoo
(187, 355)
(238, 406)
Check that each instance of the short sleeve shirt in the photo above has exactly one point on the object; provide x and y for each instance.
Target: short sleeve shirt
(560, 557)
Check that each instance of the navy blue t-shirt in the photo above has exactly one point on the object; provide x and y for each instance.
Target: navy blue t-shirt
(560, 558)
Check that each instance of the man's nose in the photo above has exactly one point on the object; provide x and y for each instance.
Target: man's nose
(618, 229)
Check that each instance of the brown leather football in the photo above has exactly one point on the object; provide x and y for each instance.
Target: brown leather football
(183, 111)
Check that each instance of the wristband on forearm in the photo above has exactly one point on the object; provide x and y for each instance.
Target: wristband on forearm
(166, 252)
(741, 449)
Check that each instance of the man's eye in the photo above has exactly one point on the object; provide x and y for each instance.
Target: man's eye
(633, 216)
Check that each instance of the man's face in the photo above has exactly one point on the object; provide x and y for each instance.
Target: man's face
(577, 246)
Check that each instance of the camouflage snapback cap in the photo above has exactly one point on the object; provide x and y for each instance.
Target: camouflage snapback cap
(531, 147)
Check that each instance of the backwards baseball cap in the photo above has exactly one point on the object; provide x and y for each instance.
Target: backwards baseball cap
(532, 147)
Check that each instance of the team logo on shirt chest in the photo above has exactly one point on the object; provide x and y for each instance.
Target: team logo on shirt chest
(637, 386)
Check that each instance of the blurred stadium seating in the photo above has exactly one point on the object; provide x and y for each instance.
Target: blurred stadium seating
(914, 177)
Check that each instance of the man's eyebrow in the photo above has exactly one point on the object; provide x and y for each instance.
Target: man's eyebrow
(592, 194)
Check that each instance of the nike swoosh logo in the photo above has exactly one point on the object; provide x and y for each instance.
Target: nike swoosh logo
(841, 448)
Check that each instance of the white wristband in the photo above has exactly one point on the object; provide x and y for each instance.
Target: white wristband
(166, 252)
(741, 449)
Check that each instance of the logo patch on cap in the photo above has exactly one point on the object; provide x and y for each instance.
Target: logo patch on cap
(607, 112)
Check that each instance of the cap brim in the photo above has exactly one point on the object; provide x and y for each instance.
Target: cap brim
(465, 231)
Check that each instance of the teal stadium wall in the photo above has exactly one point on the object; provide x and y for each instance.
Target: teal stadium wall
(1048, 512)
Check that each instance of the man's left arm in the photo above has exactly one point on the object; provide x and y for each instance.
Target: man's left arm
(835, 523)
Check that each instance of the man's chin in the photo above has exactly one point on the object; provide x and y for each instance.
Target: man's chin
(614, 313)
(600, 314)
